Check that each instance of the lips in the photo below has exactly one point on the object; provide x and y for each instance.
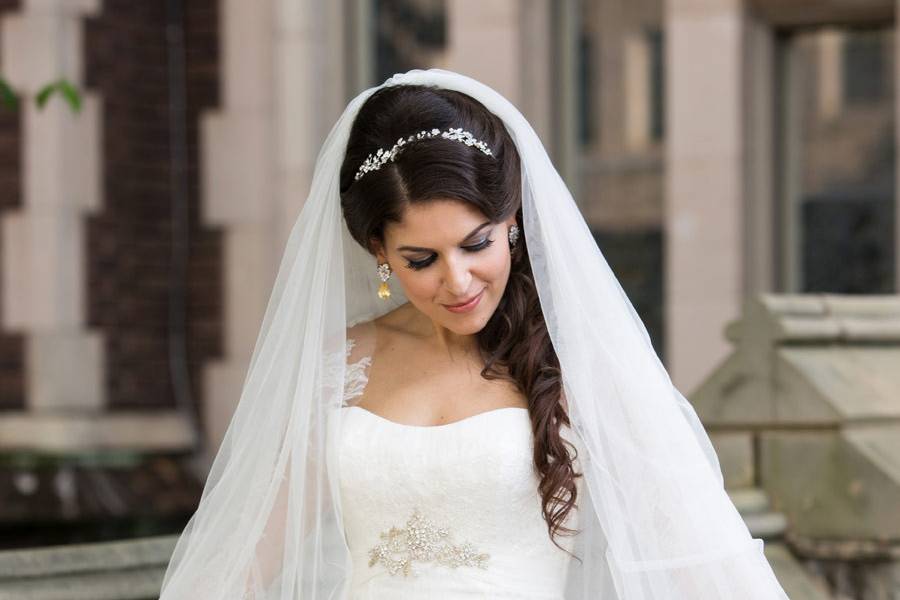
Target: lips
(465, 302)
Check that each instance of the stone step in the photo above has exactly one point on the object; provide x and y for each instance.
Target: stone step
(797, 583)
(766, 526)
(750, 501)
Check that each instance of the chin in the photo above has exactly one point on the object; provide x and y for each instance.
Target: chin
(471, 323)
(467, 328)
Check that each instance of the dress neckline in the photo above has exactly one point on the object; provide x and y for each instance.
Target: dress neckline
(458, 422)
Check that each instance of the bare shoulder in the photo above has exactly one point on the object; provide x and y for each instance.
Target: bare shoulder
(361, 331)
(384, 332)
(360, 341)
(398, 321)
(398, 329)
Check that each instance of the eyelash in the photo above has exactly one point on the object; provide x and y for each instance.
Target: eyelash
(421, 264)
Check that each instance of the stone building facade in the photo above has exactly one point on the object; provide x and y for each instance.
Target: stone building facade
(717, 148)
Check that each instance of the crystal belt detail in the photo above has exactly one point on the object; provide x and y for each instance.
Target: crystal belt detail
(421, 540)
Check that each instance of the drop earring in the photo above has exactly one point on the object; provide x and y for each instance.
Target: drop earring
(384, 273)
(513, 236)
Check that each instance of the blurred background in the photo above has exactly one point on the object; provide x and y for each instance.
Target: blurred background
(735, 160)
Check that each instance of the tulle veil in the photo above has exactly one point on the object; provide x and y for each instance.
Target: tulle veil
(656, 522)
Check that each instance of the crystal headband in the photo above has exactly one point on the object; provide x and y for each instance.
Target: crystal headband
(377, 160)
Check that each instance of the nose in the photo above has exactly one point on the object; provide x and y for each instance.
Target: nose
(457, 278)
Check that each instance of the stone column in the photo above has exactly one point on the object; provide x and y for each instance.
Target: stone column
(704, 200)
(636, 84)
(507, 44)
(44, 280)
(44, 262)
(830, 75)
(284, 87)
(897, 134)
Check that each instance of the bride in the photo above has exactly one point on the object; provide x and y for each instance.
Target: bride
(451, 396)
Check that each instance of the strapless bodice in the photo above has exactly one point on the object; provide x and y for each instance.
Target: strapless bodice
(449, 511)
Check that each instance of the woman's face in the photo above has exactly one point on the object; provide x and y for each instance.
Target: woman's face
(445, 252)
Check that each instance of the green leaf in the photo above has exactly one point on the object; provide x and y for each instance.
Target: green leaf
(71, 94)
(44, 94)
(8, 96)
(68, 91)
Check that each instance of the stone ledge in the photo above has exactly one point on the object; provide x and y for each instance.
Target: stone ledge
(126, 570)
(155, 431)
(797, 583)
(134, 584)
(84, 558)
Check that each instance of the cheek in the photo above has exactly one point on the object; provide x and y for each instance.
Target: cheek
(419, 284)
(493, 269)
(497, 267)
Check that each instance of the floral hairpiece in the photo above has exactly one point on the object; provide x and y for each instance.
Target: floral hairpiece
(375, 161)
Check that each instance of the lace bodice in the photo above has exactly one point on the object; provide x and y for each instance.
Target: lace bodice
(448, 511)
(356, 374)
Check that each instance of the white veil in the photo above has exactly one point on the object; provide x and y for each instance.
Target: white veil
(655, 520)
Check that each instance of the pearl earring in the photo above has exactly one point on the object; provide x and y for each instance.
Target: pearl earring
(384, 273)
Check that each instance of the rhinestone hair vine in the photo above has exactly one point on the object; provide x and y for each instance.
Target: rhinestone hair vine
(380, 158)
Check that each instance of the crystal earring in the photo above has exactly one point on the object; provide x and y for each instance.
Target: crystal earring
(513, 235)
(384, 273)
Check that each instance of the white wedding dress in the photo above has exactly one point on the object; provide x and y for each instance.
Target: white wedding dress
(446, 511)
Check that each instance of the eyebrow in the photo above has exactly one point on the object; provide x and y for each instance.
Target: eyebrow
(471, 233)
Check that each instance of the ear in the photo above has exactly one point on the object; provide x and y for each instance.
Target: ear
(378, 250)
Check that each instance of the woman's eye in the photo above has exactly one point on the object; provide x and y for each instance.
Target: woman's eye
(479, 246)
(421, 264)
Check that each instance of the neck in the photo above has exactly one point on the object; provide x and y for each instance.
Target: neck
(443, 339)
(452, 344)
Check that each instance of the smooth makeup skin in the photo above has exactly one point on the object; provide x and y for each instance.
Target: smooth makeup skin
(459, 255)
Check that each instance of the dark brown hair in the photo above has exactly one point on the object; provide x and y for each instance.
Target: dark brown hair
(514, 344)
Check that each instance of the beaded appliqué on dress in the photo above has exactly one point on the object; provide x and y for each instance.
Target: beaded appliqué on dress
(422, 540)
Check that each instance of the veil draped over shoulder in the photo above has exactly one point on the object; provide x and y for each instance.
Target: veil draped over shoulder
(655, 520)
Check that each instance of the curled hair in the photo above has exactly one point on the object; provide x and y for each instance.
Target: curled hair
(514, 344)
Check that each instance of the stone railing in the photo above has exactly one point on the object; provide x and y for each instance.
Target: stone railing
(807, 408)
(125, 570)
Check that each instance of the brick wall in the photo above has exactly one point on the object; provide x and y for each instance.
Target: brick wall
(12, 361)
(129, 243)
